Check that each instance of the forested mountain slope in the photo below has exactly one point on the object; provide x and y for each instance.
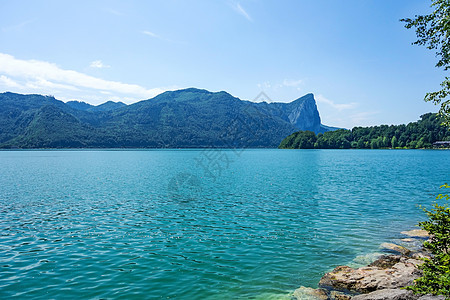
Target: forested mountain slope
(183, 118)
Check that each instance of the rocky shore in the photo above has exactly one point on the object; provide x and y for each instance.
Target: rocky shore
(383, 279)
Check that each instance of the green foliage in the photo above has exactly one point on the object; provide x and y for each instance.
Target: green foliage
(436, 271)
(415, 135)
(339, 139)
(433, 31)
(107, 106)
(394, 142)
(299, 140)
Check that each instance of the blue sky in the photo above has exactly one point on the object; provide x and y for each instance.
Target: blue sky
(354, 55)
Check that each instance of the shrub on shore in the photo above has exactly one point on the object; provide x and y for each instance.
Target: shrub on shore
(436, 270)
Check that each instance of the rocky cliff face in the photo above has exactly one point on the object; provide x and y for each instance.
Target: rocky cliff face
(304, 114)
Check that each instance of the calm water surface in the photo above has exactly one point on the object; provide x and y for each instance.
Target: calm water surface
(200, 224)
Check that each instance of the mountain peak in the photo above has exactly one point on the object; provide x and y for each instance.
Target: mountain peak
(188, 90)
(307, 97)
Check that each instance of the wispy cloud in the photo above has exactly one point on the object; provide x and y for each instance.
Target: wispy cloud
(8, 82)
(41, 83)
(114, 12)
(157, 36)
(240, 10)
(286, 83)
(149, 33)
(265, 85)
(350, 120)
(337, 106)
(292, 83)
(363, 117)
(17, 27)
(98, 64)
(48, 78)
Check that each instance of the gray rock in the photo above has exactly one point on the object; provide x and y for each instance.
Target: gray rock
(408, 240)
(420, 255)
(369, 279)
(303, 113)
(396, 248)
(387, 294)
(416, 233)
(335, 295)
(431, 297)
(306, 293)
(386, 261)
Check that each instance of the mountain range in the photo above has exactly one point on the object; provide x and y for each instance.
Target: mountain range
(183, 118)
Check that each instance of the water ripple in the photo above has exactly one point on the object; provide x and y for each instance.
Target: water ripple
(102, 224)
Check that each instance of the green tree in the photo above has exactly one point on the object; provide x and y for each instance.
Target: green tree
(299, 140)
(305, 140)
(373, 144)
(394, 142)
(420, 134)
(436, 270)
(433, 31)
(379, 142)
(361, 144)
(420, 144)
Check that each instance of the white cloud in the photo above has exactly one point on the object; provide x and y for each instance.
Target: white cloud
(156, 36)
(114, 12)
(292, 83)
(265, 85)
(17, 27)
(286, 83)
(98, 64)
(8, 82)
(240, 10)
(46, 78)
(337, 106)
(41, 83)
(149, 33)
(363, 117)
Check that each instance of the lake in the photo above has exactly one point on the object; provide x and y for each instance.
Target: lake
(201, 224)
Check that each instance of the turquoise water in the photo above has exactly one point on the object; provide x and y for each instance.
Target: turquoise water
(200, 224)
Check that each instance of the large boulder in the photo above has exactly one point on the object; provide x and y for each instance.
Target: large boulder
(396, 248)
(306, 293)
(431, 297)
(386, 261)
(387, 294)
(336, 295)
(371, 278)
(416, 233)
(395, 294)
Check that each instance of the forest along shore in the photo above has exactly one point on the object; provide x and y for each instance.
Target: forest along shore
(382, 279)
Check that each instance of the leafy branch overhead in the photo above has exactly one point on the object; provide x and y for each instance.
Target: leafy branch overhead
(433, 31)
